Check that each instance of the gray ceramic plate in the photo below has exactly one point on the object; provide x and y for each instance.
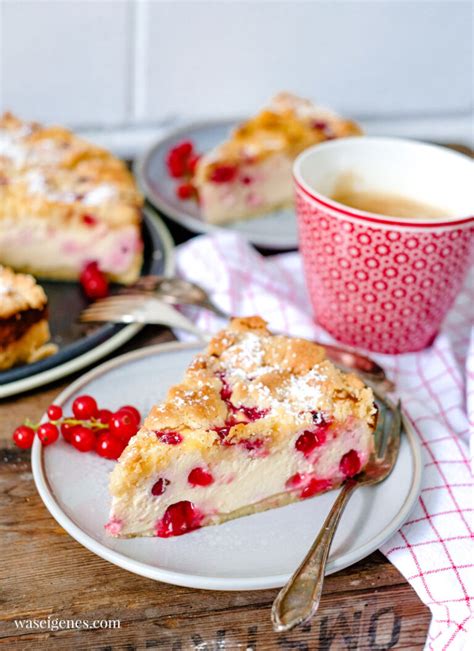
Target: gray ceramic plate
(80, 345)
(256, 552)
(277, 230)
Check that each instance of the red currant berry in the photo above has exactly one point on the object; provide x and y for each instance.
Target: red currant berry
(23, 437)
(89, 220)
(306, 442)
(192, 163)
(159, 486)
(67, 430)
(185, 191)
(134, 413)
(84, 408)
(294, 481)
(48, 433)
(309, 440)
(109, 446)
(104, 416)
(223, 174)
(200, 477)
(82, 438)
(89, 269)
(55, 412)
(176, 166)
(226, 393)
(123, 425)
(183, 149)
(350, 464)
(253, 413)
(170, 438)
(251, 445)
(320, 124)
(93, 282)
(315, 486)
(179, 518)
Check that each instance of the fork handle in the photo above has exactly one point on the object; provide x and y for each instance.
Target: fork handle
(299, 599)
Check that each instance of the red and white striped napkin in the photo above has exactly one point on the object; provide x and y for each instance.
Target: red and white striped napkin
(433, 550)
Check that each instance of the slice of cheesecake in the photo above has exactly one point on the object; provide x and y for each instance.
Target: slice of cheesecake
(24, 330)
(64, 203)
(258, 421)
(251, 173)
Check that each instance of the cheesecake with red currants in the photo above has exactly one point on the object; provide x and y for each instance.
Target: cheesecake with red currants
(64, 203)
(258, 421)
(24, 331)
(251, 173)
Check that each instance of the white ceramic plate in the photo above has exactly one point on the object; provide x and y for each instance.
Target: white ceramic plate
(277, 230)
(160, 260)
(251, 553)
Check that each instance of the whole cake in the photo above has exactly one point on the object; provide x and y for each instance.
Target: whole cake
(258, 421)
(65, 203)
(251, 173)
(24, 330)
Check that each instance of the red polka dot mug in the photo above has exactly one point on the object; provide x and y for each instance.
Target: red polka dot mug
(378, 282)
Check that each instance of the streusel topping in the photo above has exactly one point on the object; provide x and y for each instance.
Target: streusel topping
(289, 124)
(59, 176)
(19, 292)
(248, 384)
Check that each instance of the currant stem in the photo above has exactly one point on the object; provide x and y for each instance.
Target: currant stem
(93, 423)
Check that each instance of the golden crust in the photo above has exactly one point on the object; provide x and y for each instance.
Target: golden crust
(51, 173)
(19, 292)
(245, 368)
(290, 124)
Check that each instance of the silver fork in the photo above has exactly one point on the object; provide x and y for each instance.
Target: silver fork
(139, 308)
(177, 291)
(299, 600)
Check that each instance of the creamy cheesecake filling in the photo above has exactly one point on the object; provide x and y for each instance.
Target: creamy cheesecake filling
(240, 479)
(34, 243)
(256, 188)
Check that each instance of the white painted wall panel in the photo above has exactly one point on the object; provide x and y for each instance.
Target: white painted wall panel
(66, 61)
(108, 63)
(366, 58)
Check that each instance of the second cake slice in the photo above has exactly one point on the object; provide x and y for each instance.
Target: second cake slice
(251, 173)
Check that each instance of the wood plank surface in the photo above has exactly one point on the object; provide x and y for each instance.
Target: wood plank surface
(46, 574)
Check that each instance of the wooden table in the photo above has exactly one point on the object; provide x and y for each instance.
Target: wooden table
(45, 573)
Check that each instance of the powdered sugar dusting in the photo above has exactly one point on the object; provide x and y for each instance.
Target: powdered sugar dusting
(303, 108)
(243, 363)
(101, 194)
(4, 288)
(21, 152)
(37, 184)
(245, 355)
(304, 391)
(11, 148)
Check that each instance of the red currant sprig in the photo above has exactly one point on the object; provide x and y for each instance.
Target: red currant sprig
(181, 162)
(88, 429)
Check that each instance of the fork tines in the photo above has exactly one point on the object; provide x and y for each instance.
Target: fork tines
(117, 307)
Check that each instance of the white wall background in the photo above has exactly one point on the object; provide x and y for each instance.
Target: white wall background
(399, 66)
